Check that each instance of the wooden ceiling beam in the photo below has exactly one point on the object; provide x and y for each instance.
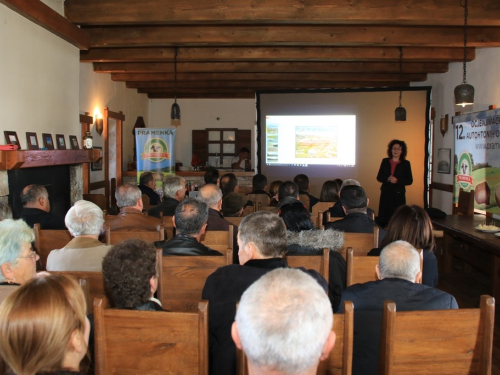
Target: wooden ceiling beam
(197, 95)
(298, 35)
(422, 12)
(276, 67)
(163, 54)
(50, 20)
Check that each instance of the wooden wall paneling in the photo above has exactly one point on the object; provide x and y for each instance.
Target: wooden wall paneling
(85, 121)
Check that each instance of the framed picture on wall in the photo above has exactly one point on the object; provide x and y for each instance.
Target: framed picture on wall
(73, 141)
(96, 165)
(11, 139)
(61, 142)
(32, 140)
(48, 142)
(444, 160)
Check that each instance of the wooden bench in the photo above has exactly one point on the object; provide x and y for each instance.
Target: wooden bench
(361, 243)
(47, 240)
(219, 240)
(114, 237)
(360, 269)
(319, 263)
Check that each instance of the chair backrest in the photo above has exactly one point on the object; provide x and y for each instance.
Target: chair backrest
(437, 342)
(465, 202)
(361, 243)
(150, 342)
(168, 226)
(259, 200)
(360, 269)
(98, 199)
(183, 277)
(47, 240)
(220, 240)
(321, 206)
(92, 284)
(145, 201)
(304, 198)
(330, 218)
(114, 237)
(248, 210)
(234, 220)
(319, 263)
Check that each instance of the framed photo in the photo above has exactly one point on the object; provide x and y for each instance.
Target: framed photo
(73, 141)
(96, 165)
(48, 142)
(444, 160)
(61, 142)
(32, 140)
(11, 138)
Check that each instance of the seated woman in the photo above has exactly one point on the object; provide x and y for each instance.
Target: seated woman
(412, 224)
(17, 258)
(43, 328)
(130, 276)
(304, 239)
(329, 191)
(273, 191)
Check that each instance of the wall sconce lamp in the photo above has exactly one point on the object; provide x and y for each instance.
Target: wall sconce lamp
(443, 125)
(98, 122)
(464, 93)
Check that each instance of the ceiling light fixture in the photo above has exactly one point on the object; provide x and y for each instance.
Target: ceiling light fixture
(464, 93)
(175, 113)
(400, 113)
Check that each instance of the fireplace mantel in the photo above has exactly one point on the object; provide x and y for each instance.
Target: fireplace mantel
(41, 158)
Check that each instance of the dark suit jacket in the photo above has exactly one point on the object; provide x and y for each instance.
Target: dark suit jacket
(368, 299)
(217, 222)
(47, 220)
(153, 196)
(402, 173)
(337, 211)
(184, 245)
(168, 207)
(223, 289)
(356, 222)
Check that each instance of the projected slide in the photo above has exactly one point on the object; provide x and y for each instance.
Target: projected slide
(309, 140)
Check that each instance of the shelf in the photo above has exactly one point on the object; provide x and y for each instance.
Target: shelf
(42, 158)
(198, 173)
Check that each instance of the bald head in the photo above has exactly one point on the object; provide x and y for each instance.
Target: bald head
(399, 260)
(211, 195)
(35, 196)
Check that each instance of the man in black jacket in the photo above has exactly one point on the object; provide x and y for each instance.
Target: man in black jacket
(36, 208)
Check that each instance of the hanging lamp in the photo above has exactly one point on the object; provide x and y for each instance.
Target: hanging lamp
(464, 93)
(400, 113)
(175, 112)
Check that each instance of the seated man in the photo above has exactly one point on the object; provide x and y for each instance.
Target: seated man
(275, 328)
(135, 288)
(259, 184)
(302, 182)
(36, 208)
(211, 176)
(262, 243)
(355, 205)
(229, 184)
(129, 199)
(288, 192)
(233, 205)
(190, 220)
(85, 222)
(174, 191)
(336, 210)
(399, 274)
(147, 184)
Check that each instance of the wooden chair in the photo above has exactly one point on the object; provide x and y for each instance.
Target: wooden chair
(114, 237)
(234, 220)
(330, 219)
(93, 288)
(145, 201)
(98, 199)
(361, 243)
(465, 204)
(47, 240)
(437, 342)
(360, 269)
(248, 210)
(220, 240)
(259, 200)
(319, 263)
(168, 226)
(304, 198)
(150, 342)
(321, 206)
(339, 362)
(183, 277)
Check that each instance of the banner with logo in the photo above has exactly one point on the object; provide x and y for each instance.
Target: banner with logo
(155, 151)
(477, 158)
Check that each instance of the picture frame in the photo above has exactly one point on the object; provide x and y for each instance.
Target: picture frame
(32, 141)
(60, 142)
(48, 142)
(73, 142)
(11, 138)
(444, 160)
(96, 165)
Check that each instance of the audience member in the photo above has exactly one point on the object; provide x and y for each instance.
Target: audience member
(229, 184)
(5, 211)
(304, 239)
(36, 208)
(211, 176)
(190, 220)
(302, 182)
(336, 210)
(284, 324)
(129, 199)
(43, 327)
(259, 184)
(399, 274)
(147, 185)
(212, 196)
(239, 161)
(17, 258)
(262, 243)
(84, 252)
(329, 191)
(273, 192)
(131, 277)
(233, 205)
(288, 192)
(174, 191)
(355, 205)
(412, 224)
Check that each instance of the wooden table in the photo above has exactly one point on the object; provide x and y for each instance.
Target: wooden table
(478, 249)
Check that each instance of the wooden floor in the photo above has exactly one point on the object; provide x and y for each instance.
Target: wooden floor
(467, 288)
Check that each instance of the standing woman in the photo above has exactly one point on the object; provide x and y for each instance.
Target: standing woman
(394, 174)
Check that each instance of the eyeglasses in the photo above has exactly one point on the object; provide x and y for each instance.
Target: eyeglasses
(33, 255)
(397, 148)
